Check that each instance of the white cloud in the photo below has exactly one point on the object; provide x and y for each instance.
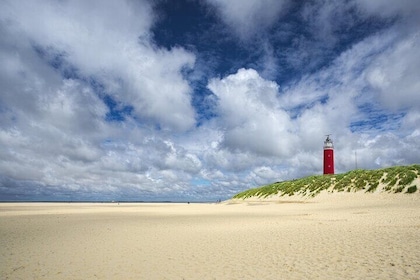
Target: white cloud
(387, 8)
(325, 18)
(247, 18)
(179, 159)
(394, 74)
(104, 45)
(411, 123)
(251, 116)
(53, 128)
(265, 172)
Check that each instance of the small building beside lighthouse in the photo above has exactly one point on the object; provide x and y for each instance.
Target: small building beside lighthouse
(328, 156)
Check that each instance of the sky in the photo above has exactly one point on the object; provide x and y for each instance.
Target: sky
(197, 100)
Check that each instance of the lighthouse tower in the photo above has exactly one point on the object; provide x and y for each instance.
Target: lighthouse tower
(328, 156)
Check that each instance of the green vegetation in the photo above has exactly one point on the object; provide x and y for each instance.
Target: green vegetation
(412, 189)
(393, 179)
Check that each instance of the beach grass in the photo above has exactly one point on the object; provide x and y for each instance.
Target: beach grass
(397, 179)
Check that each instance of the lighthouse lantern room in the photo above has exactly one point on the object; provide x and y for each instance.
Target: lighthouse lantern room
(328, 156)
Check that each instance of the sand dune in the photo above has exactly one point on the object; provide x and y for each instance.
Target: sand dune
(333, 236)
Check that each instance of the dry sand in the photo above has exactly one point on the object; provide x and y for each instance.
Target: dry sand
(334, 236)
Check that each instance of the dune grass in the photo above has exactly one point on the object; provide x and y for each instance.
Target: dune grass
(396, 179)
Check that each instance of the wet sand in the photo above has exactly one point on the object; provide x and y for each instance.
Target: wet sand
(333, 236)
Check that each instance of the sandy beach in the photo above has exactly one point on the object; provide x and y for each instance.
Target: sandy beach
(333, 236)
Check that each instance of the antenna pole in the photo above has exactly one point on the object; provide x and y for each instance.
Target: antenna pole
(355, 158)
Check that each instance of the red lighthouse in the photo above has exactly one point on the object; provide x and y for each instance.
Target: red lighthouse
(328, 156)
